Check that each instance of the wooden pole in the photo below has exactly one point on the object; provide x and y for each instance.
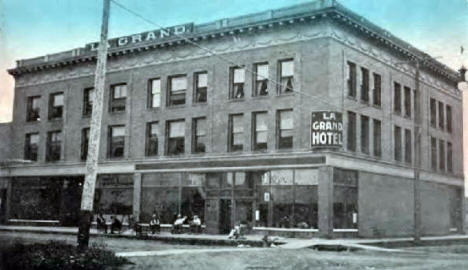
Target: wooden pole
(87, 198)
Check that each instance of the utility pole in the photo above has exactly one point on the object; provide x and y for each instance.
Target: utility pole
(417, 156)
(89, 186)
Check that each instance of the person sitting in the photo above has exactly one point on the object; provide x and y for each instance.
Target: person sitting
(101, 223)
(155, 225)
(235, 232)
(116, 225)
(177, 227)
(195, 225)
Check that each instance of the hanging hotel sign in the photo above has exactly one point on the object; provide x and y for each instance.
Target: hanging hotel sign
(327, 129)
(145, 37)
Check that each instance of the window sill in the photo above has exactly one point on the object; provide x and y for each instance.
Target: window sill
(260, 97)
(155, 109)
(175, 107)
(236, 99)
(86, 116)
(33, 121)
(286, 94)
(200, 103)
(115, 158)
(55, 120)
(117, 113)
(351, 98)
(378, 107)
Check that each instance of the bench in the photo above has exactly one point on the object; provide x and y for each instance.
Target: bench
(143, 229)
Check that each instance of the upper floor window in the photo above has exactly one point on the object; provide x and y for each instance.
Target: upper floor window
(285, 129)
(433, 153)
(152, 138)
(237, 78)
(175, 137)
(54, 145)
(33, 109)
(397, 143)
(377, 94)
(407, 102)
(88, 101)
(84, 143)
(201, 87)
(441, 115)
(449, 157)
(365, 85)
(286, 80)
(260, 130)
(377, 138)
(442, 155)
(199, 135)
(448, 115)
(364, 134)
(154, 93)
(177, 89)
(116, 141)
(56, 106)
(261, 80)
(118, 97)
(351, 81)
(397, 98)
(408, 146)
(236, 132)
(433, 109)
(31, 146)
(351, 132)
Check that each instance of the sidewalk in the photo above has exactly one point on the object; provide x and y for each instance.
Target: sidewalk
(382, 244)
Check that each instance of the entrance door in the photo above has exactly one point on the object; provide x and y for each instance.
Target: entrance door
(225, 216)
(244, 212)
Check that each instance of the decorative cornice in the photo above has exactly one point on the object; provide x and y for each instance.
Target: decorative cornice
(260, 22)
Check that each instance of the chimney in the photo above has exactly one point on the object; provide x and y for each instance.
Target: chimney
(462, 71)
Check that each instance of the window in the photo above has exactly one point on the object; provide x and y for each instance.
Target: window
(177, 88)
(53, 148)
(433, 109)
(84, 143)
(154, 93)
(345, 199)
(201, 87)
(351, 135)
(237, 78)
(118, 97)
(377, 97)
(449, 157)
(442, 155)
(260, 128)
(365, 85)
(441, 115)
(397, 98)
(236, 132)
(116, 141)
(31, 146)
(407, 102)
(408, 146)
(175, 137)
(433, 153)
(448, 115)
(199, 135)
(285, 129)
(364, 134)
(261, 80)
(286, 71)
(33, 109)
(351, 79)
(377, 138)
(56, 106)
(88, 101)
(152, 135)
(397, 143)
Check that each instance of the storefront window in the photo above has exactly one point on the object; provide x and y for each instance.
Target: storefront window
(114, 194)
(345, 203)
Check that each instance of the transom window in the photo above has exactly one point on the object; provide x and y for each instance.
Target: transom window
(261, 80)
(177, 89)
(286, 76)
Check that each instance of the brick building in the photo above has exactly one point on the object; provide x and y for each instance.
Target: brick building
(307, 129)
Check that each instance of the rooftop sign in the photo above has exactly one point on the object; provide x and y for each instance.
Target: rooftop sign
(144, 37)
